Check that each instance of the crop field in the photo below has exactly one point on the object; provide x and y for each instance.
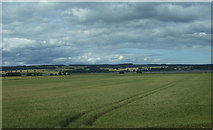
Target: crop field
(180, 100)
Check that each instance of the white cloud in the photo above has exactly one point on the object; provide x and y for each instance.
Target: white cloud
(80, 13)
(200, 34)
(120, 57)
(196, 46)
(13, 43)
(7, 32)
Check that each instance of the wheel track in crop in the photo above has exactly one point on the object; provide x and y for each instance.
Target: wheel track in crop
(88, 118)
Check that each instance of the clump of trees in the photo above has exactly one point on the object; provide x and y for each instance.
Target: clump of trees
(12, 74)
(139, 71)
(59, 73)
(121, 72)
(34, 74)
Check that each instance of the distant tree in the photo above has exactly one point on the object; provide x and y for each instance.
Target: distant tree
(38, 74)
(56, 74)
(139, 71)
(29, 74)
(121, 72)
(64, 73)
(13, 74)
(51, 74)
(59, 73)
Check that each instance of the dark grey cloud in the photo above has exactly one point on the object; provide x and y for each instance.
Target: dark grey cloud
(68, 33)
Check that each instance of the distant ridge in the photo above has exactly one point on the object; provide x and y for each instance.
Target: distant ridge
(128, 64)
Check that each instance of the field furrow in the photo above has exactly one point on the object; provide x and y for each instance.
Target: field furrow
(89, 117)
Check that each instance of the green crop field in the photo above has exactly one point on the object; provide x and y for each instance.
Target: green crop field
(108, 100)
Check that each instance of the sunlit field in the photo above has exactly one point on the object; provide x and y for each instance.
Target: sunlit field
(108, 100)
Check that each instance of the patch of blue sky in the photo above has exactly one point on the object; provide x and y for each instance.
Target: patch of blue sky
(198, 55)
(56, 18)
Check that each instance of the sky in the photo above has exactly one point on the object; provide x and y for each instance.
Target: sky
(105, 33)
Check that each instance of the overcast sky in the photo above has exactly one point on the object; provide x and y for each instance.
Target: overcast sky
(106, 33)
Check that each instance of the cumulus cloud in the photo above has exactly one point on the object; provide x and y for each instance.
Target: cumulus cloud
(94, 33)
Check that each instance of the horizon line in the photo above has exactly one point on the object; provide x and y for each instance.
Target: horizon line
(110, 64)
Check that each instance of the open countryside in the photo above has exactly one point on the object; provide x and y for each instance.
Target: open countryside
(115, 100)
(123, 64)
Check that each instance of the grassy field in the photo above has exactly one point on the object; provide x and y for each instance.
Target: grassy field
(108, 100)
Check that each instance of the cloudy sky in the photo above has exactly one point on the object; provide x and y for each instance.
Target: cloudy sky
(108, 33)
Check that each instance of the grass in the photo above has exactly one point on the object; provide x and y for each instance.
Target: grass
(108, 100)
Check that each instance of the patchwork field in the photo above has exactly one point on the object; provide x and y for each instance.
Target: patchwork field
(108, 100)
